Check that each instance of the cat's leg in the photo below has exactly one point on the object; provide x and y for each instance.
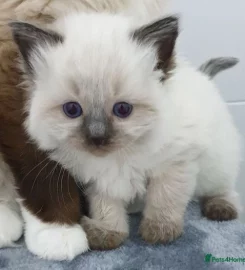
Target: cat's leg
(51, 211)
(167, 197)
(108, 226)
(221, 207)
(216, 184)
(11, 223)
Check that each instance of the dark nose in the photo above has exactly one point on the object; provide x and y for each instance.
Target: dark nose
(99, 140)
(97, 128)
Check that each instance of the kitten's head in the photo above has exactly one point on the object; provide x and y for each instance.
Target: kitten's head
(96, 80)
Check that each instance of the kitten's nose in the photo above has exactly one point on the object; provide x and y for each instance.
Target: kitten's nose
(99, 140)
(97, 129)
(96, 134)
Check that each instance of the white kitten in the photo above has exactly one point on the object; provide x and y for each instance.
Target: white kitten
(69, 240)
(115, 106)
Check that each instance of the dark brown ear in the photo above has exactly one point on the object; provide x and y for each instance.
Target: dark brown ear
(28, 37)
(163, 35)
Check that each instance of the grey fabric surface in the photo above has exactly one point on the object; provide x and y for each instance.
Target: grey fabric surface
(201, 237)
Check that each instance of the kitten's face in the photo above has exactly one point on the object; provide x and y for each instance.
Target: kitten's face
(95, 88)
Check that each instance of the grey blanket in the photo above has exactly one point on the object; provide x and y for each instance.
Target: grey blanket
(201, 238)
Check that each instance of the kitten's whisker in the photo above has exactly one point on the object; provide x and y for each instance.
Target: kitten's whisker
(57, 191)
(38, 175)
(51, 178)
(62, 194)
(39, 211)
(52, 171)
(50, 181)
(40, 163)
(79, 187)
(68, 187)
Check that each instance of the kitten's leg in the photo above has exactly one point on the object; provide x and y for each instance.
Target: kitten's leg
(51, 211)
(221, 207)
(167, 197)
(216, 185)
(108, 226)
(11, 223)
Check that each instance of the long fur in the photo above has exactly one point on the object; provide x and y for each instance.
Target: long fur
(180, 141)
(44, 235)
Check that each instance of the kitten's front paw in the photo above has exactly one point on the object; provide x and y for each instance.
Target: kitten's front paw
(11, 226)
(57, 242)
(100, 238)
(153, 231)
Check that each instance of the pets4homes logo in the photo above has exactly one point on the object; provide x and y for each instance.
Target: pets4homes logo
(209, 258)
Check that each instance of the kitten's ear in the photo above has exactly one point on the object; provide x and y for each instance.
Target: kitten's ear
(28, 37)
(163, 35)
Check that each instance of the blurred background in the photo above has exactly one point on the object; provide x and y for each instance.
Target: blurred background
(211, 29)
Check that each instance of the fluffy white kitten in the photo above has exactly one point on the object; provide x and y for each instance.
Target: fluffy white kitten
(67, 241)
(113, 104)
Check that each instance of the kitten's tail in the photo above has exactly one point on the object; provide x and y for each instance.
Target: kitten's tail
(215, 65)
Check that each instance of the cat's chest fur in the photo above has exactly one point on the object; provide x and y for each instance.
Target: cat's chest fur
(123, 178)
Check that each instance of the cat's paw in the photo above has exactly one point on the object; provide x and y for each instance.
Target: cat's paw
(219, 209)
(57, 242)
(100, 238)
(11, 226)
(153, 231)
(53, 241)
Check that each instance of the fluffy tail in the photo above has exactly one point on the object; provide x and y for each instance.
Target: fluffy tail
(215, 65)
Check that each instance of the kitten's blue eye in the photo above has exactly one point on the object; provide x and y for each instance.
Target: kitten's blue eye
(72, 109)
(122, 109)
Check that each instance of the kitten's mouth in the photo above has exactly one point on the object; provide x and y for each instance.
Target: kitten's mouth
(102, 149)
(96, 149)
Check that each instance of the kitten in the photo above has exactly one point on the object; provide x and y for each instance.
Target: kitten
(44, 187)
(112, 103)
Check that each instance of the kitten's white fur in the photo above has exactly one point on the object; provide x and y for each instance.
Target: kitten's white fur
(190, 143)
(11, 226)
(11, 223)
(53, 241)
